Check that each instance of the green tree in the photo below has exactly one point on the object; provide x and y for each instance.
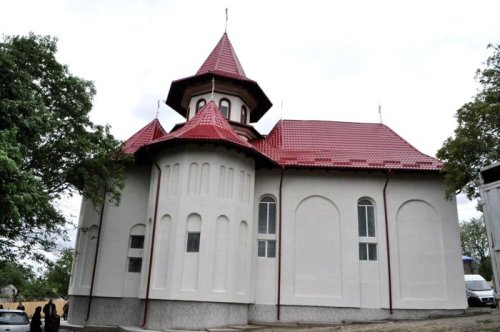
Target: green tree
(474, 241)
(48, 146)
(20, 276)
(59, 273)
(477, 137)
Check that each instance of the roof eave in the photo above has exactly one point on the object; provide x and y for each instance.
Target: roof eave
(178, 87)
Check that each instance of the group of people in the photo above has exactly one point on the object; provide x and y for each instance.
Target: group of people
(51, 317)
(52, 320)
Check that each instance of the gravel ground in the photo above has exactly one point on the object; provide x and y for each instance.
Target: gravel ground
(476, 319)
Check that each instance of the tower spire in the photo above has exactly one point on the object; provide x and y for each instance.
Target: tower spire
(225, 28)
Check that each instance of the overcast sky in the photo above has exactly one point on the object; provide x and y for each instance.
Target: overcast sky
(325, 60)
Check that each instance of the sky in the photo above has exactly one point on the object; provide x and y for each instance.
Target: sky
(316, 60)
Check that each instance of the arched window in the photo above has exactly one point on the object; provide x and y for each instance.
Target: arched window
(199, 104)
(266, 246)
(267, 215)
(367, 230)
(243, 114)
(225, 107)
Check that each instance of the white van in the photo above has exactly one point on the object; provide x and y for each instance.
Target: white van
(479, 292)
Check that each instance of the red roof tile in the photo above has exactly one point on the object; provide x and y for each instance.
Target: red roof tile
(209, 125)
(147, 134)
(223, 61)
(334, 144)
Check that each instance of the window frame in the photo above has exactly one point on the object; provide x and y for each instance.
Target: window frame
(268, 253)
(368, 251)
(139, 265)
(131, 244)
(228, 108)
(193, 244)
(244, 115)
(199, 106)
(365, 223)
(268, 213)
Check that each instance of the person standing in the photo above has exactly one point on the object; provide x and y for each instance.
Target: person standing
(49, 310)
(20, 306)
(36, 320)
(65, 310)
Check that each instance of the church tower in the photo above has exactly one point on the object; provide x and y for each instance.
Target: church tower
(221, 78)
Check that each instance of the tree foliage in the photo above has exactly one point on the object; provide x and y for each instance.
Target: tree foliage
(54, 282)
(48, 145)
(473, 238)
(477, 137)
(59, 273)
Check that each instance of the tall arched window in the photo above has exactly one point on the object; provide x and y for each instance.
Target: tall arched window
(367, 230)
(199, 104)
(267, 227)
(244, 114)
(225, 107)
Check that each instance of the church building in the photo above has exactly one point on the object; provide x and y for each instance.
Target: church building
(220, 225)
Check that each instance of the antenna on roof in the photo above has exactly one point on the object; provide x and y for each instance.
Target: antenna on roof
(213, 87)
(281, 115)
(225, 28)
(380, 112)
(157, 109)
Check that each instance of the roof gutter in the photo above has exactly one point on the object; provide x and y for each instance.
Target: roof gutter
(389, 279)
(151, 251)
(89, 305)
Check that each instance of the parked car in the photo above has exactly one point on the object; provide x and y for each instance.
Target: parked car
(479, 292)
(14, 321)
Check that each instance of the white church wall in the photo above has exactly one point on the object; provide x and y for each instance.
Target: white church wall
(111, 278)
(213, 185)
(426, 256)
(320, 258)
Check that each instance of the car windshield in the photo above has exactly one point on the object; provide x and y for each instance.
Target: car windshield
(13, 318)
(477, 285)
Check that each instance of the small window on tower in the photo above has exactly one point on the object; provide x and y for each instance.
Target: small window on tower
(244, 115)
(225, 107)
(199, 104)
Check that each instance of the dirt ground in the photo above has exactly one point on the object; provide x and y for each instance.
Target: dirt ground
(476, 319)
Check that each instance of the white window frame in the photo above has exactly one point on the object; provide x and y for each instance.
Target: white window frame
(367, 240)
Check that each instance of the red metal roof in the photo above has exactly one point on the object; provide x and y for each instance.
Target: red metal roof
(147, 134)
(223, 61)
(209, 125)
(334, 144)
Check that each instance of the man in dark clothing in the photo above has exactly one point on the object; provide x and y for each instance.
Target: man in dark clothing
(51, 319)
(20, 306)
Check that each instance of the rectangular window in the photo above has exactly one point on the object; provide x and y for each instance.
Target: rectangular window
(366, 220)
(368, 251)
(267, 248)
(136, 241)
(134, 264)
(193, 242)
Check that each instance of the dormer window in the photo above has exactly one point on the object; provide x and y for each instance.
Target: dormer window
(244, 114)
(199, 104)
(225, 107)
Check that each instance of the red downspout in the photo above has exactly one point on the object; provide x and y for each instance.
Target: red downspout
(387, 241)
(146, 300)
(96, 253)
(278, 311)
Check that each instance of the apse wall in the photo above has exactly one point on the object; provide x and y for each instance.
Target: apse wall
(205, 215)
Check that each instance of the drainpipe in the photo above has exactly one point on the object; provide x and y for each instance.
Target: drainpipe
(153, 236)
(387, 241)
(96, 253)
(278, 311)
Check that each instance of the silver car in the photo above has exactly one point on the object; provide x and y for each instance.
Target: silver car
(14, 321)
